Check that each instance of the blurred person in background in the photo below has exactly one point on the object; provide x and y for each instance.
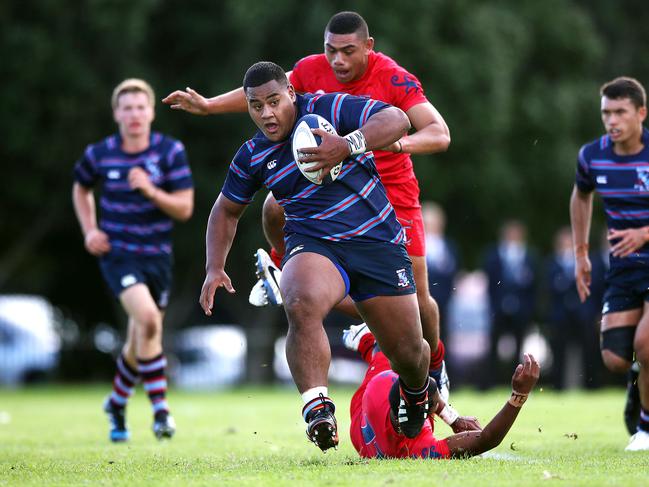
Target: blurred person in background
(511, 274)
(350, 65)
(441, 260)
(616, 165)
(144, 183)
(570, 322)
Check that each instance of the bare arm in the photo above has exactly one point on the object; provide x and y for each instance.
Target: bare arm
(95, 240)
(193, 102)
(581, 211)
(472, 443)
(179, 205)
(431, 132)
(221, 228)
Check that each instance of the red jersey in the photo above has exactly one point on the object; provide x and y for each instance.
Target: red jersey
(383, 80)
(371, 431)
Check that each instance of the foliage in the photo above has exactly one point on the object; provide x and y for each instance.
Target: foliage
(516, 81)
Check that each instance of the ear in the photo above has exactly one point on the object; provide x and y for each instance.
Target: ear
(642, 111)
(291, 92)
(369, 43)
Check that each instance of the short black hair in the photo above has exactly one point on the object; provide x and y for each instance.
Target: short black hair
(625, 87)
(263, 72)
(348, 23)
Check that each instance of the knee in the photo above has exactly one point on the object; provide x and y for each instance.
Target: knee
(614, 362)
(641, 348)
(300, 307)
(149, 324)
(405, 353)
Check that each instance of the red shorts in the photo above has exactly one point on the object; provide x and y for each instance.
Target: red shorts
(404, 197)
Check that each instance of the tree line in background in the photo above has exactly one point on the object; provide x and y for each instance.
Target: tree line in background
(517, 83)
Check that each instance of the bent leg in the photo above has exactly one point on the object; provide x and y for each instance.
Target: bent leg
(641, 347)
(618, 329)
(272, 218)
(311, 285)
(145, 319)
(428, 309)
(394, 321)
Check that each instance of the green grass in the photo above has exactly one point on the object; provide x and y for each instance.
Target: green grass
(255, 436)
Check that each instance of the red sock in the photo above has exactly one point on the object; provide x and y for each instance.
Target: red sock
(437, 356)
(366, 347)
(276, 257)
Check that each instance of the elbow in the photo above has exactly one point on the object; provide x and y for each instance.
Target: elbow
(186, 213)
(405, 122)
(445, 142)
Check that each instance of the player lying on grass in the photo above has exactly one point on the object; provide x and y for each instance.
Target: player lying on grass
(375, 431)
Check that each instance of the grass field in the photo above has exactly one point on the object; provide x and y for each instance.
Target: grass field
(255, 436)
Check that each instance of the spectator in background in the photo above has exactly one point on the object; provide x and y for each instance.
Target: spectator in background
(569, 320)
(441, 259)
(511, 276)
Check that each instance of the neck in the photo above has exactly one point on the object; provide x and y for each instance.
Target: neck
(135, 144)
(629, 147)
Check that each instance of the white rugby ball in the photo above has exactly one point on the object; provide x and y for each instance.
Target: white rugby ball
(303, 137)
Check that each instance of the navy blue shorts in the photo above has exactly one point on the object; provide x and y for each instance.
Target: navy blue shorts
(368, 269)
(626, 288)
(122, 271)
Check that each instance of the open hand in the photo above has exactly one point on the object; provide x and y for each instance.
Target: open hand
(213, 281)
(466, 423)
(189, 100)
(629, 240)
(526, 374)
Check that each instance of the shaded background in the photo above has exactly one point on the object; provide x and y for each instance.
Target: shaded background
(517, 83)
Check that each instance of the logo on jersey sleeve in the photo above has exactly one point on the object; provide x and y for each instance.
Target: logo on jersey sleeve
(601, 179)
(642, 183)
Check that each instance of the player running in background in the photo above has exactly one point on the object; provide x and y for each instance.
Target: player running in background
(350, 65)
(375, 429)
(145, 184)
(342, 238)
(616, 166)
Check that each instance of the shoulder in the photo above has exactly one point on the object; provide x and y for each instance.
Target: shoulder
(98, 149)
(165, 142)
(386, 66)
(594, 148)
(309, 62)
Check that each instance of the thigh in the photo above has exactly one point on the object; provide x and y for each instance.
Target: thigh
(641, 340)
(139, 304)
(393, 320)
(420, 273)
(311, 278)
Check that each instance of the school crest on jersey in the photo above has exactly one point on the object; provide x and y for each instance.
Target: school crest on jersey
(642, 183)
(152, 167)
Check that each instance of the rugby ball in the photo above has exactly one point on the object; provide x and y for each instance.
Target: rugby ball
(303, 137)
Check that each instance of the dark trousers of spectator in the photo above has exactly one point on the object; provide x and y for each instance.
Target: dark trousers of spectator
(584, 335)
(497, 372)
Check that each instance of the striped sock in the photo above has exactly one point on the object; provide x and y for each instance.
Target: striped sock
(643, 424)
(123, 384)
(154, 381)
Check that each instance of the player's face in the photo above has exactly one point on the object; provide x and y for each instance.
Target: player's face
(347, 55)
(272, 107)
(134, 114)
(622, 120)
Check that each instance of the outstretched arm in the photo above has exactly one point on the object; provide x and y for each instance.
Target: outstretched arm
(472, 443)
(221, 228)
(193, 102)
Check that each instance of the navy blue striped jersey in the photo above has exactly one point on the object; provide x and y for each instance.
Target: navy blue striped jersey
(623, 184)
(133, 223)
(354, 206)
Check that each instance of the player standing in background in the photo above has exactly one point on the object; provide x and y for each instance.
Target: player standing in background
(350, 65)
(374, 429)
(616, 165)
(342, 238)
(145, 184)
